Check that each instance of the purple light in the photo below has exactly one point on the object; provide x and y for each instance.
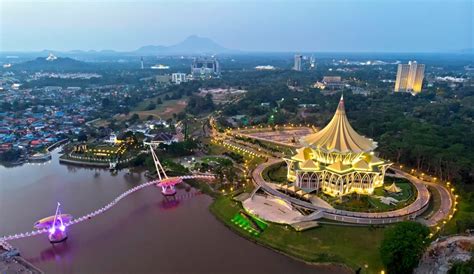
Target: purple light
(62, 228)
(52, 230)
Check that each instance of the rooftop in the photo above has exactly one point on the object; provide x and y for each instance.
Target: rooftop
(339, 136)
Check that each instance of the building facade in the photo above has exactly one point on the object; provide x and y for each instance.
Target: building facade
(205, 68)
(178, 78)
(337, 160)
(298, 62)
(410, 77)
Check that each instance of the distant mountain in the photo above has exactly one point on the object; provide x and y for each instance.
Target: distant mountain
(191, 45)
(150, 49)
(53, 63)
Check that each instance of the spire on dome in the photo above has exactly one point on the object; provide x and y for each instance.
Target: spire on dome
(340, 106)
(339, 136)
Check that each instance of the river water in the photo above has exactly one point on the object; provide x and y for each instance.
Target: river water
(143, 233)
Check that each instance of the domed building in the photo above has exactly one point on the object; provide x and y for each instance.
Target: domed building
(337, 160)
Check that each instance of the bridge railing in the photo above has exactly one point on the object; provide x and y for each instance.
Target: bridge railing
(96, 212)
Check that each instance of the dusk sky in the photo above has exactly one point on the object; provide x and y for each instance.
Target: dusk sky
(336, 25)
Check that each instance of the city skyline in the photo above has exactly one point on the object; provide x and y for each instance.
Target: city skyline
(340, 26)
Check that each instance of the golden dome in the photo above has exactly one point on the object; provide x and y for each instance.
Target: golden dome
(339, 136)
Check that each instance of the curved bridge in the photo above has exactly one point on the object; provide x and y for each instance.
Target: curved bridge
(98, 211)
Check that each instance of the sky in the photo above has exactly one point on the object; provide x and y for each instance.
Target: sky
(280, 26)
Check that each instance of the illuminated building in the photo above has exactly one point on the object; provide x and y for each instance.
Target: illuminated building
(205, 68)
(410, 77)
(337, 160)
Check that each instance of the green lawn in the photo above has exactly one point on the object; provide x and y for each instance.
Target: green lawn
(275, 173)
(463, 218)
(353, 246)
(435, 203)
(367, 203)
(164, 110)
(220, 160)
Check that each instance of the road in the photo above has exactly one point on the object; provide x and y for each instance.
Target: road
(410, 212)
(446, 199)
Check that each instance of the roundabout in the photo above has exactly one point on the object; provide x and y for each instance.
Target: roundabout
(409, 212)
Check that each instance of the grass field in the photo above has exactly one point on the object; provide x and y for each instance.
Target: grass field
(352, 246)
(435, 203)
(275, 173)
(463, 219)
(220, 160)
(163, 111)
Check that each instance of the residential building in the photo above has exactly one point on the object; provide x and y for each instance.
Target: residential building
(178, 78)
(410, 77)
(298, 62)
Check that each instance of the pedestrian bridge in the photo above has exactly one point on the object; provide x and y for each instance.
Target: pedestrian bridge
(98, 211)
(56, 227)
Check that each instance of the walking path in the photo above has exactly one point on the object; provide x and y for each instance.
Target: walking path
(410, 212)
(446, 199)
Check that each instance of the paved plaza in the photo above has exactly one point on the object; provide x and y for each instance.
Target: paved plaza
(283, 136)
(272, 209)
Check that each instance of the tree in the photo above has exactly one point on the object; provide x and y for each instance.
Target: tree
(134, 118)
(10, 155)
(82, 137)
(151, 106)
(403, 245)
(462, 267)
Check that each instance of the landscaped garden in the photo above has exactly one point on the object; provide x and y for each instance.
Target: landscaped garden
(373, 203)
(356, 247)
(275, 173)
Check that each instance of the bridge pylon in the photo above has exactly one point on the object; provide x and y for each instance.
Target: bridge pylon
(167, 184)
(57, 231)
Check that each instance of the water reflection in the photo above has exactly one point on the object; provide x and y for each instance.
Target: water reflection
(140, 233)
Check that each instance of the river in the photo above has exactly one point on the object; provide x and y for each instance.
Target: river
(142, 234)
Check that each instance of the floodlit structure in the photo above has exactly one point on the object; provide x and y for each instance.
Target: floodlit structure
(337, 160)
(410, 77)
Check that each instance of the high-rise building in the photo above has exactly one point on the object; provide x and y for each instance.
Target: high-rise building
(141, 61)
(410, 77)
(298, 61)
(312, 62)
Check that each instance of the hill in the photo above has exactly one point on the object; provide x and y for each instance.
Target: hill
(191, 45)
(53, 63)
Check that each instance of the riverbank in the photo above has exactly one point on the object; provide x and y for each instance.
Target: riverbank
(346, 248)
(14, 263)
